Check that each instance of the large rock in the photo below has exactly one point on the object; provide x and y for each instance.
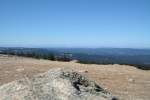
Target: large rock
(56, 84)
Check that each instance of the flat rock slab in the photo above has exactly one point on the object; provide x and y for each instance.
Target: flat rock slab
(56, 84)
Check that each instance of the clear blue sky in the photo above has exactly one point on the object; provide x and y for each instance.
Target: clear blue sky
(75, 23)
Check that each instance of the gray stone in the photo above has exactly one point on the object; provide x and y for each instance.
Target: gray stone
(56, 84)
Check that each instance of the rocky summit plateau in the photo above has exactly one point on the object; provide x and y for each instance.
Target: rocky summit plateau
(55, 84)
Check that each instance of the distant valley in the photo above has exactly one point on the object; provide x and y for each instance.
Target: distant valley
(139, 58)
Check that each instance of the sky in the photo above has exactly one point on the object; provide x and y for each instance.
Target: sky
(75, 23)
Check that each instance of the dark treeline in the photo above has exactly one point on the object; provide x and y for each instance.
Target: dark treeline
(37, 55)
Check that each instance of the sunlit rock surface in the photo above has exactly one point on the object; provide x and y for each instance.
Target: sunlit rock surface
(56, 84)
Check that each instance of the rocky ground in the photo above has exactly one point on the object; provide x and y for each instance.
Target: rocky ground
(55, 84)
(125, 82)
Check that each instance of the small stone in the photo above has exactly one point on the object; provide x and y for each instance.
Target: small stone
(131, 80)
(20, 69)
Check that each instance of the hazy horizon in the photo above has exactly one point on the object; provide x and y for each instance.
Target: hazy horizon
(73, 47)
(75, 24)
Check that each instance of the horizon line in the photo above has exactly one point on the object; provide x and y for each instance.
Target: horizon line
(61, 47)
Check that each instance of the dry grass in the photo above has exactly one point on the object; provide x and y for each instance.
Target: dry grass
(124, 81)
